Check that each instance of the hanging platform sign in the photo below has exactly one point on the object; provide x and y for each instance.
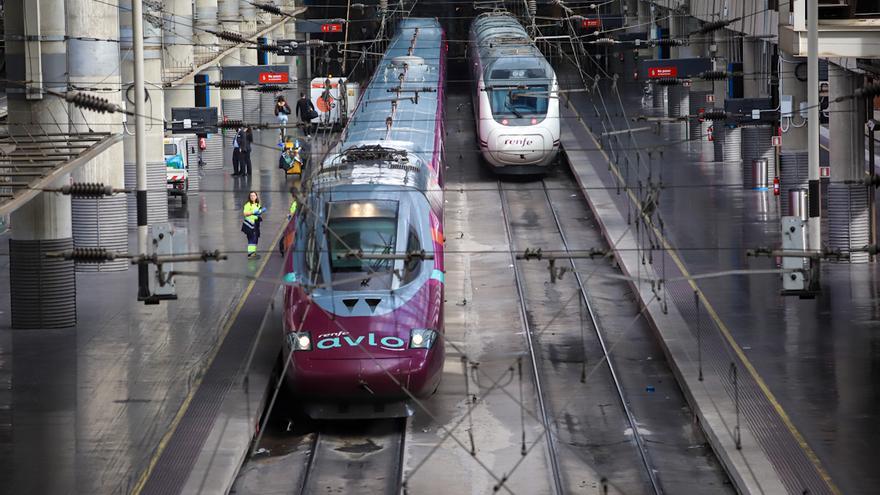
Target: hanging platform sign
(256, 74)
(685, 68)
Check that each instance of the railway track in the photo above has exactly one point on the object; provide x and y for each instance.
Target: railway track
(356, 457)
(547, 415)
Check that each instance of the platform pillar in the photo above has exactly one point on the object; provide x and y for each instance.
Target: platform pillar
(178, 53)
(157, 196)
(42, 291)
(93, 59)
(848, 213)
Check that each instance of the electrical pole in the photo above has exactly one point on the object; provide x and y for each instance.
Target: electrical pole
(814, 225)
(137, 35)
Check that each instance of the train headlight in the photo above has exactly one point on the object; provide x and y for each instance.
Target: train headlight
(504, 122)
(300, 341)
(422, 338)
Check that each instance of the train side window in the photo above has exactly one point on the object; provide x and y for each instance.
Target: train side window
(412, 268)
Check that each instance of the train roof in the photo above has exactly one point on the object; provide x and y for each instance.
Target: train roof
(504, 46)
(405, 89)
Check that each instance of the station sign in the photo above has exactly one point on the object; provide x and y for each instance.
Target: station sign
(319, 25)
(684, 68)
(194, 120)
(751, 111)
(274, 78)
(655, 72)
(256, 74)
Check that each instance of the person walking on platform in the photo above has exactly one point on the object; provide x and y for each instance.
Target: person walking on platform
(236, 154)
(282, 112)
(306, 112)
(250, 225)
(245, 137)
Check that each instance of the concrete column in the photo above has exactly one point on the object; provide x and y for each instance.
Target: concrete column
(157, 197)
(206, 19)
(42, 291)
(178, 52)
(248, 26)
(794, 138)
(93, 65)
(752, 72)
(848, 215)
(228, 17)
(722, 58)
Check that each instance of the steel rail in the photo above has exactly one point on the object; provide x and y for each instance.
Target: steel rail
(640, 443)
(394, 484)
(551, 450)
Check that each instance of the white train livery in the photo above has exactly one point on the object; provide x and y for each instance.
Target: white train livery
(514, 96)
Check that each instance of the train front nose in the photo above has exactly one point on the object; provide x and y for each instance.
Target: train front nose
(526, 147)
(359, 379)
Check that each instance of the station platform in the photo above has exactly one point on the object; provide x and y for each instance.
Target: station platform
(806, 369)
(96, 405)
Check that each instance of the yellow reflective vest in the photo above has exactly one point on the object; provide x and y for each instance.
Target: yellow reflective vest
(249, 213)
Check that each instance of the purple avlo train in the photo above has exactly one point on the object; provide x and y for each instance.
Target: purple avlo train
(363, 318)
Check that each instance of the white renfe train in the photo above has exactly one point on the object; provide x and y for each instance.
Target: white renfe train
(514, 95)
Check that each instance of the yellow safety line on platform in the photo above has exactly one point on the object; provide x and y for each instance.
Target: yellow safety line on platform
(799, 438)
(163, 443)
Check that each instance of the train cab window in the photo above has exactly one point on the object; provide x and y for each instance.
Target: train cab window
(170, 149)
(412, 268)
(366, 226)
(519, 102)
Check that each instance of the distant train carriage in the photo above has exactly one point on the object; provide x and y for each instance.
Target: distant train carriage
(514, 97)
(363, 318)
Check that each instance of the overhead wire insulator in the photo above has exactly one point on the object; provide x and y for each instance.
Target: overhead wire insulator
(92, 102)
(714, 26)
(668, 42)
(269, 88)
(229, 36)
(714, 115)
(85, 255)
(87, 190)
(230, 124)
(268, 7)
(714, 75)
(604, 41)
(228, 84)
(667, 81)
(273, 48)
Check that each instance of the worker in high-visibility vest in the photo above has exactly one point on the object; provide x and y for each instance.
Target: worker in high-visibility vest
(288, 237)
(250, 225)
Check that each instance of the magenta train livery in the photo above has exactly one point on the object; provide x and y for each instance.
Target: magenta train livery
(363, 318)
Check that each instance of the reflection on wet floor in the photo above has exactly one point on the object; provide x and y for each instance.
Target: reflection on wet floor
(821, 357)
(89, 404)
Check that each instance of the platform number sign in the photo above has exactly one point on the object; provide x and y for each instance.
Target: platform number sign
(776, 141)
(710, 98)
(824, 171)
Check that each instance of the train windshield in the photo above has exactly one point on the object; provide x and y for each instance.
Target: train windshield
(369, 227)
(519, 102)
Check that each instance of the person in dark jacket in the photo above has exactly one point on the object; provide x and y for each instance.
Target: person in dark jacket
(245, 137)
(305, 111)
(236, 155)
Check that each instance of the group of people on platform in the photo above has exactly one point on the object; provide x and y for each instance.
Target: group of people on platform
(242, 145)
